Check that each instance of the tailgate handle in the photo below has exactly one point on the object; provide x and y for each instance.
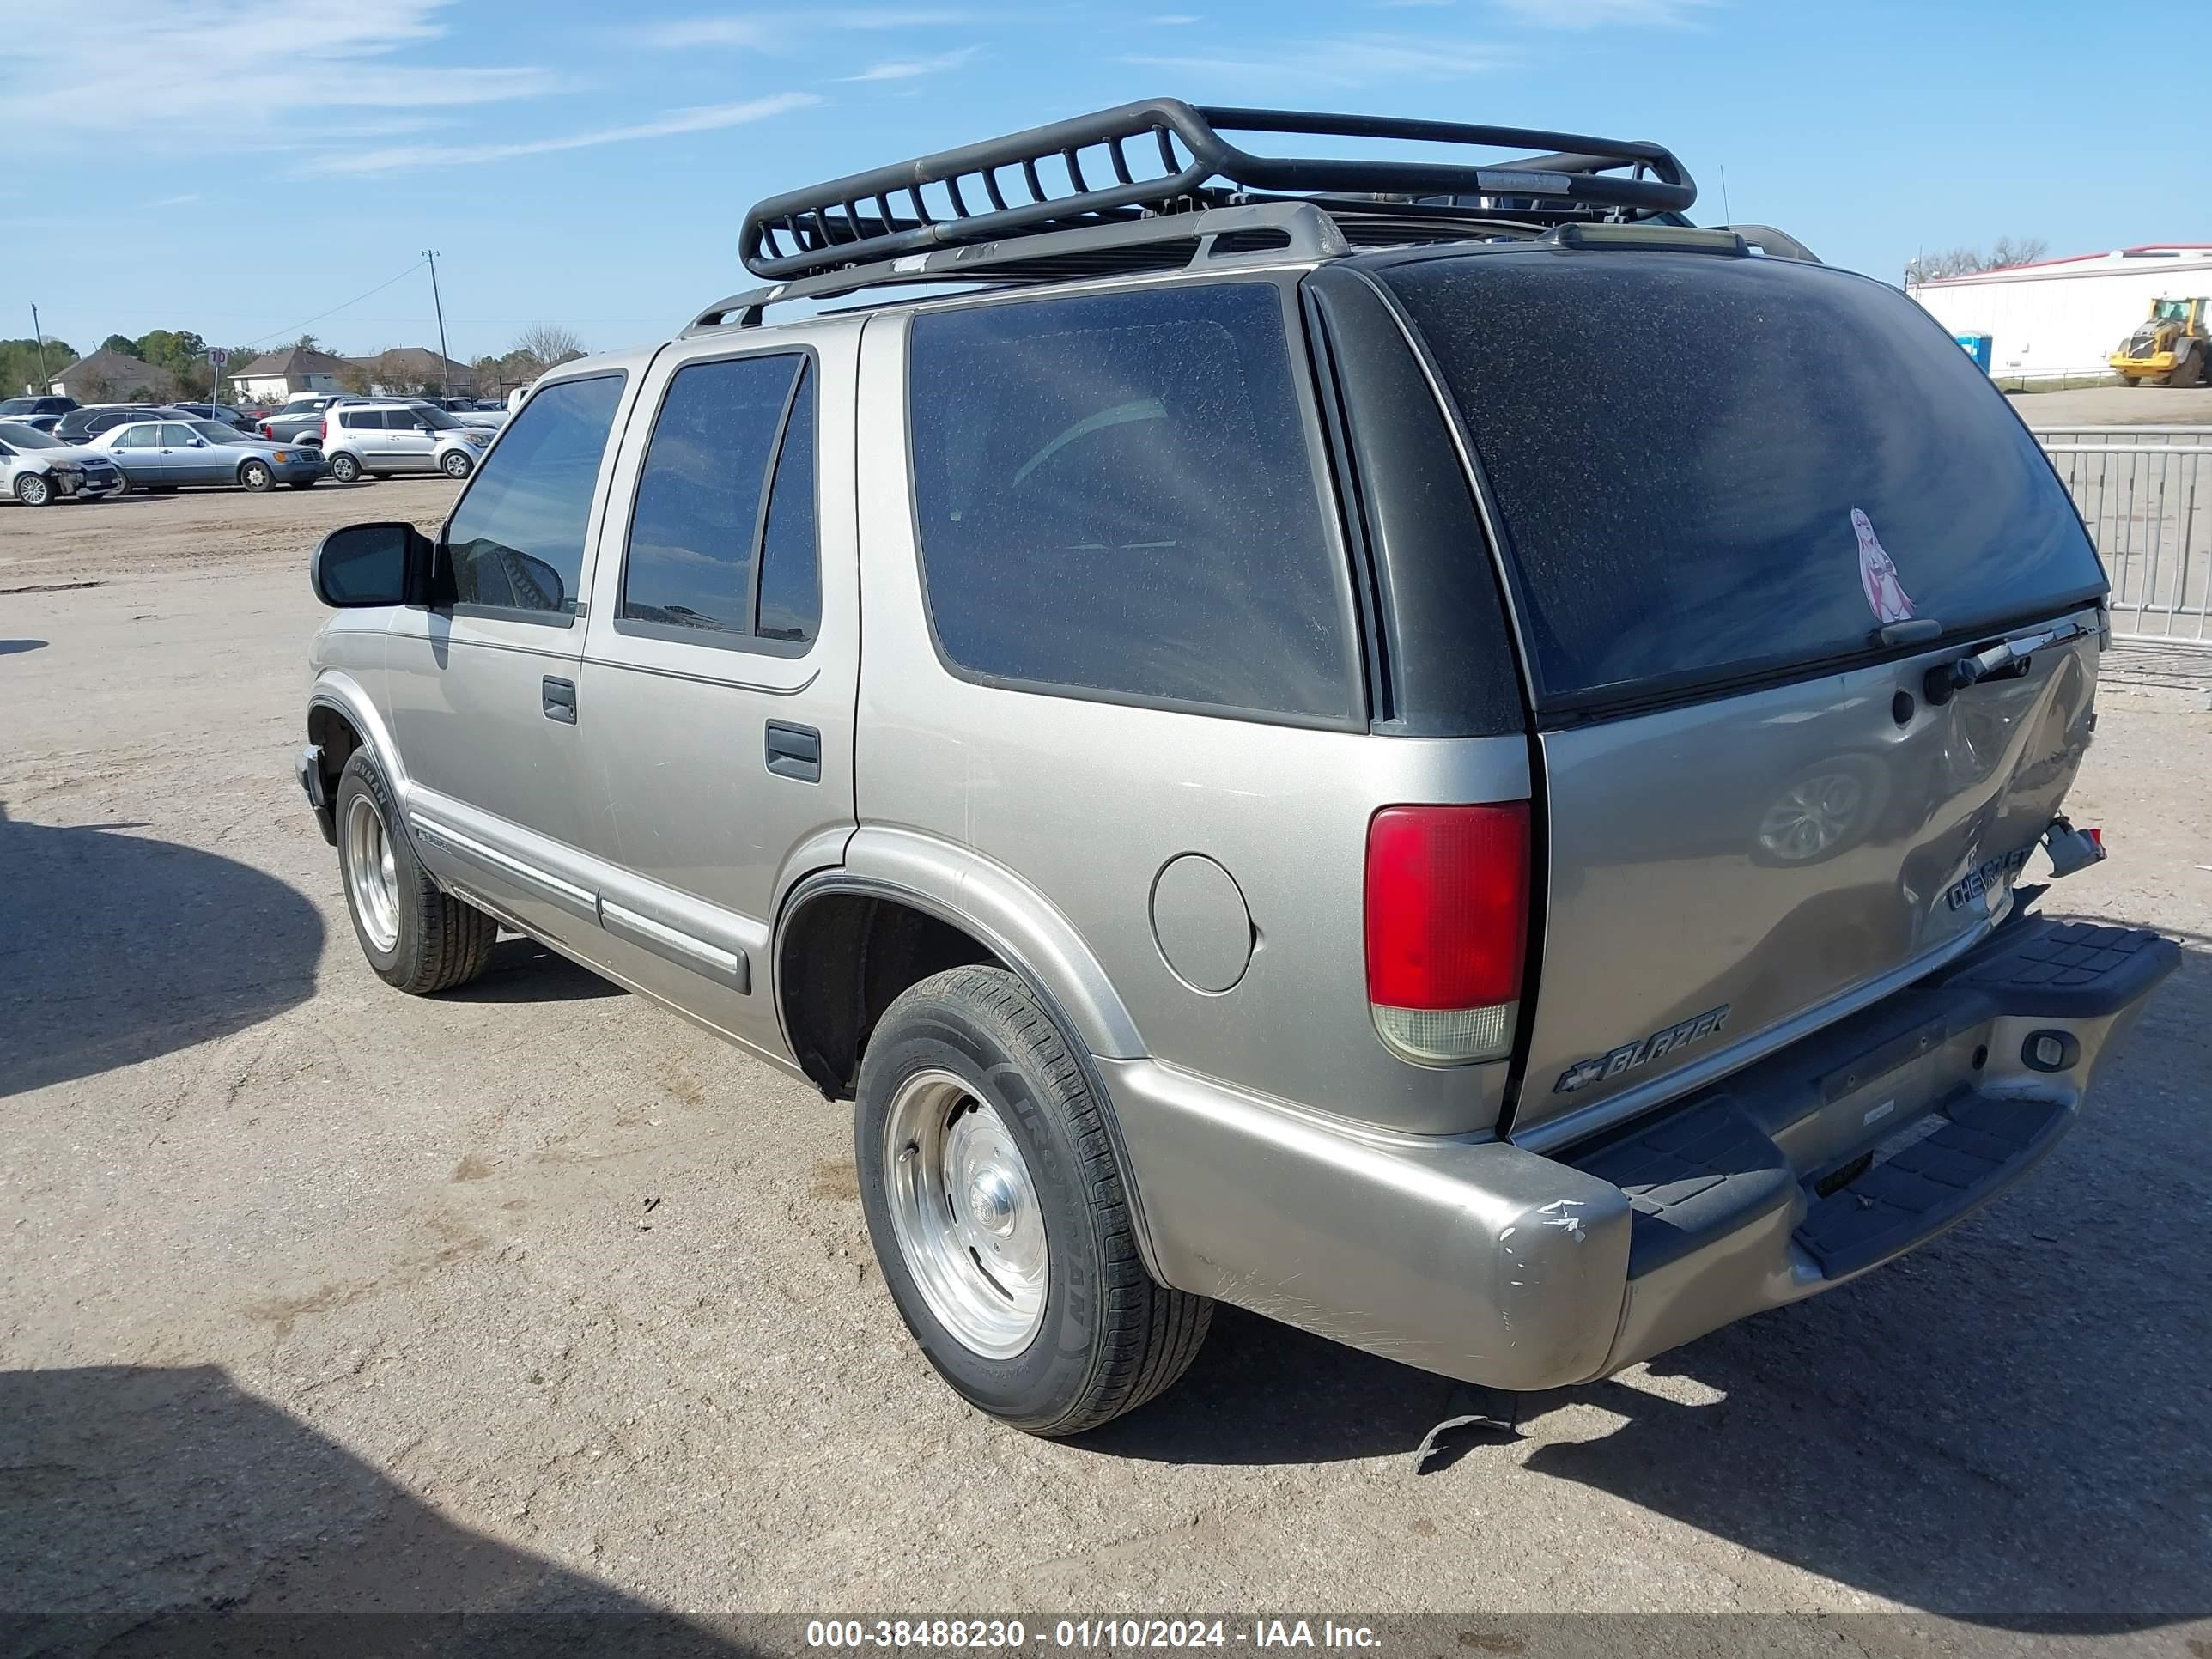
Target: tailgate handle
(794, 751)
(560, 700)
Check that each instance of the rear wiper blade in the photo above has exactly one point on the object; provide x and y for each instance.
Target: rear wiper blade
(1945, 678)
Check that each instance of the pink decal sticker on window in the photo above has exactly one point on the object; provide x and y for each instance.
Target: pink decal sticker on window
(1885, 595)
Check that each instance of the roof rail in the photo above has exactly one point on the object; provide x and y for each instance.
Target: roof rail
(1263, 233)
(1161, 155)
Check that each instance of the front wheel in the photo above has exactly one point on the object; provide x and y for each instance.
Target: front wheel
(457, 466)
(34, 489)
(256, 476)
(344, 468)
(999, 1212)
(418, 937)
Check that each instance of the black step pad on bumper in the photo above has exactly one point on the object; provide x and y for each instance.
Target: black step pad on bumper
(1691, 1177)
(1983, 1146)
(2066, 969)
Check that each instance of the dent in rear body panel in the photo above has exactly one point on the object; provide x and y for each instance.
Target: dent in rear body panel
(1791, 847)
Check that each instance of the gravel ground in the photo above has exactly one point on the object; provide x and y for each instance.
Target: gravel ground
(534, 1298)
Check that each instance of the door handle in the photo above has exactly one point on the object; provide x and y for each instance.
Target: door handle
(560, 700)
(794, 751)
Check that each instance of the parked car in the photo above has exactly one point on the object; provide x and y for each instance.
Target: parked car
(39, 470)
(36, 423)
(382, 438)
(1303, 829)
(301, 419)
(13, 408)
(167, 455)
(236, 418)
(82, 425)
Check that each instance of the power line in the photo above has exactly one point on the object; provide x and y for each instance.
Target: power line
(295, 330)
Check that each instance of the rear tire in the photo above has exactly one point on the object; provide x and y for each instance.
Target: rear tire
(417, 937)
(1066, 1330)
(256, 476)
(344, 468)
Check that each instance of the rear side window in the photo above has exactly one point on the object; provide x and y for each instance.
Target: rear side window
(721, 539)
(1709, 467)
(360, 419)
(515, 541)
(1115, 494)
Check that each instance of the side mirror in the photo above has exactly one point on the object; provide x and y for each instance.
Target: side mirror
(199, 443)
(373, 564)
(423, 426)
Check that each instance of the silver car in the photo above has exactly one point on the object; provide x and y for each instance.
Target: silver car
(1258, 785)
(383, 438)
(167, 455)
(37, 470)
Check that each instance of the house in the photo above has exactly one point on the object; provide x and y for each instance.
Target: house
(277, 375)
(109, 377)
(412, 369)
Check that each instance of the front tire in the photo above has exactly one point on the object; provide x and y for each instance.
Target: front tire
(344, 468)
(418, 938)
(256, 476)
(999, 1212)
(34, 489)
(457, 466)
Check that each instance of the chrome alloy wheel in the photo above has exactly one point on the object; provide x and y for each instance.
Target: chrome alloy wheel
(964, 1212)
(372, 879)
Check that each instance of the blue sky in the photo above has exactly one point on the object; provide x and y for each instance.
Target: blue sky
(236, 166)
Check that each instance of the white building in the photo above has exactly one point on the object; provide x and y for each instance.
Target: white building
(2063, 317)
(273, 377)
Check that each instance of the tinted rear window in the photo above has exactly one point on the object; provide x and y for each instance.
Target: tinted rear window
(1709, 466)
(1115, 495)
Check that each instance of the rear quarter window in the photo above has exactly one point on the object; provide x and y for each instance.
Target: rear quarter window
(1708, 467)
(1115, 494)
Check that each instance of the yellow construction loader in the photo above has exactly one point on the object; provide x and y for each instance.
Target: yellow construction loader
(2169, 350)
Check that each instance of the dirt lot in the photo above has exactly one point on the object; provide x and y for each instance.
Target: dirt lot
(2116, 405)
(534, 1298)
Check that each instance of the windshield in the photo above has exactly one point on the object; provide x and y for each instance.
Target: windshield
(216, 432)
(2170, 311)
(19, 406)
(28, 437)
(433, 417)
(1713, 468)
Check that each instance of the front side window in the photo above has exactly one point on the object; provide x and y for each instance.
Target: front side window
(175, 434)
(516, 540)
(712, 491)
(1114, 493)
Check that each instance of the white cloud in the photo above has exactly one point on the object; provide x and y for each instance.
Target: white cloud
(192, 66)
(412, 158)
(912, 67)
(778, 31)
(185, 200)
(1356, 60)
(1605, 14)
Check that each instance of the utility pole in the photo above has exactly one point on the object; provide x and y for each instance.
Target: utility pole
(39, 335)
(444, 356)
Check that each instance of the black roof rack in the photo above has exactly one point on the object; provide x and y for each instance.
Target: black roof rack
(1163, 155)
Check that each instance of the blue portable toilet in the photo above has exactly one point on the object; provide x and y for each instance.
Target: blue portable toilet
(1980, 347)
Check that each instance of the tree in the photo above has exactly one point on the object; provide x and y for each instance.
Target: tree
(547, 344)
(20, 366)
(354, 379)
(2003, 253)
(120, 343)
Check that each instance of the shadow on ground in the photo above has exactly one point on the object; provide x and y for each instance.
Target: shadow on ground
(115, 947)
(154, 1512)
(2007, 1426)
(16, 647)
(523, 971)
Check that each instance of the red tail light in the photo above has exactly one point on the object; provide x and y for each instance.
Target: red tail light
(1447, 927)
(266, 430)
(326, 429)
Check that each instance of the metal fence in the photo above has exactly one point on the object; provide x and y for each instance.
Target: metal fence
(2146, 494)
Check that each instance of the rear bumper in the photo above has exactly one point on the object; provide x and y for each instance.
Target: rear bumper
(1483, 1260)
